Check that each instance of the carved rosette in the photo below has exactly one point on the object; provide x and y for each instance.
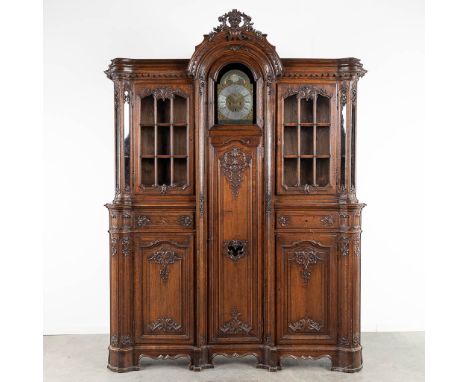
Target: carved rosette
(143, 220)
(235, 249)
(305, 325)
(344, 341)
(283, 221)
(234, 162)
(356, 339)
(164, 258)
(164, 325)
(235, 325)
(124, 341)
(305, 259)
(185, 221)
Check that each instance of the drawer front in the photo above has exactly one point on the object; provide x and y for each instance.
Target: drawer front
(306, 220)
(164, 220)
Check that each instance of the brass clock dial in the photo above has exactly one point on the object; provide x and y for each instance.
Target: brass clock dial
(235, 98)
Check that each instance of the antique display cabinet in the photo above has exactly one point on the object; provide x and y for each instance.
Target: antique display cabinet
(235, 228)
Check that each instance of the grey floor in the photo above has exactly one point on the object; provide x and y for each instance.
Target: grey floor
(387, 357)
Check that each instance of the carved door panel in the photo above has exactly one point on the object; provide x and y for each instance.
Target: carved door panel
(164, 288)
(307, 288)
(235, 244)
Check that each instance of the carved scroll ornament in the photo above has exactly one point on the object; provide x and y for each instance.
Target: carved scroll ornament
(305, 325)
(165, 325)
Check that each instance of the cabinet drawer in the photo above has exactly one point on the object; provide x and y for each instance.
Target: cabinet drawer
(164, 220)
(305, 220)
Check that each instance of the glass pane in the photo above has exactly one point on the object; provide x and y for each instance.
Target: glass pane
(127, 142)
(290, 172)
(164, 141)
(164, 171)
(307, 110)
(147, 172)
(323, 140)
(307, 140)
(323, 170)
(290, 110)
(343, 145)
(323, 109)
(180, 171)
(290, 140)
(164, 110)
(180, 140)
(147, 110)
(353, 146)
(180, 110)
(307, 171)
(147, 140)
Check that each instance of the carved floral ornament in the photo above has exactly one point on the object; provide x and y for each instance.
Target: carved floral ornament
(164, 258)
(307, 92)
(305, 259)
(235, 325)
(234, 163)
(163, 93)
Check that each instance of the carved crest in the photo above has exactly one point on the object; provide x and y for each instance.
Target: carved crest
(234, 163)
(235, 326)
(234, 33)
(234, 24)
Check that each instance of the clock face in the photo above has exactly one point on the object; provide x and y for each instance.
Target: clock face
(235, 98)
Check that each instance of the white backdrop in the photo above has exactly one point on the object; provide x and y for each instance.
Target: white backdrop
(82, 36)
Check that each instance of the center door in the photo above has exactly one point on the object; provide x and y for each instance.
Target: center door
(235, 235)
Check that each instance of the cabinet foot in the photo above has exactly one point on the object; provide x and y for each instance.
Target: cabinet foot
(122, 361)
(347, 361)
(272, 360)
(199, 360)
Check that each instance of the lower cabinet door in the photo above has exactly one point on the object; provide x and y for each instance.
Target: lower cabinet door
(306, 288)
(164, 288)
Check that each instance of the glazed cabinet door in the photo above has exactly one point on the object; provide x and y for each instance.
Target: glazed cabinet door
(164, 285)
(307, 288)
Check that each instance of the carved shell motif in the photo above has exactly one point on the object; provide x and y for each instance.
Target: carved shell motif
(234, 163)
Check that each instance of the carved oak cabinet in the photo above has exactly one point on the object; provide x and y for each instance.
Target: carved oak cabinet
(235, 228)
